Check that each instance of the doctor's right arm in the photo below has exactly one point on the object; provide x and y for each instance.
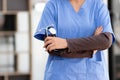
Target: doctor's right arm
(47, 18)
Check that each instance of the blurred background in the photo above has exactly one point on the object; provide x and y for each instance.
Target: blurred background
(22, 57)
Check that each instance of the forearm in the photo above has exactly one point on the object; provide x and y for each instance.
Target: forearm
(98, 42)
(80, 54)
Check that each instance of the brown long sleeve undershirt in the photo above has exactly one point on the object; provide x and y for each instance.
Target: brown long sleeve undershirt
(84, 47)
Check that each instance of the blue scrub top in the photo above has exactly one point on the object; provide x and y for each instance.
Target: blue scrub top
(71, 24)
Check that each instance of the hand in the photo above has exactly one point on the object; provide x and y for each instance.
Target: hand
(97, 32)
(52, 43)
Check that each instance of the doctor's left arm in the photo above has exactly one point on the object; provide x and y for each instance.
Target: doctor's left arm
(47, 18)
(101, 41)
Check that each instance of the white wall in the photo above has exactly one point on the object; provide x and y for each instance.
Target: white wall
(39, 56)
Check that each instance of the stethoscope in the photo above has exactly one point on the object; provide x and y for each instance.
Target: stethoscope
(51, 31)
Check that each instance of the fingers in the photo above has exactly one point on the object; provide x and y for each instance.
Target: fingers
(50, 47)
(98, 30)
(48, 38)
(48, 43)
(94, 51)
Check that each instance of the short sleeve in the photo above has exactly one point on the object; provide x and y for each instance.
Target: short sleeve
(103, 18)
(47, 18)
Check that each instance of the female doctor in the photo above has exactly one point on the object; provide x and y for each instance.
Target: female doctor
(75, 22)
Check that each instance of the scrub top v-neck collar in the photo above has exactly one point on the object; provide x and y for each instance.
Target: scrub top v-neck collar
(80, 9)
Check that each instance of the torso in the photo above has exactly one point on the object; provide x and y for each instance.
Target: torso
(75, 25)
